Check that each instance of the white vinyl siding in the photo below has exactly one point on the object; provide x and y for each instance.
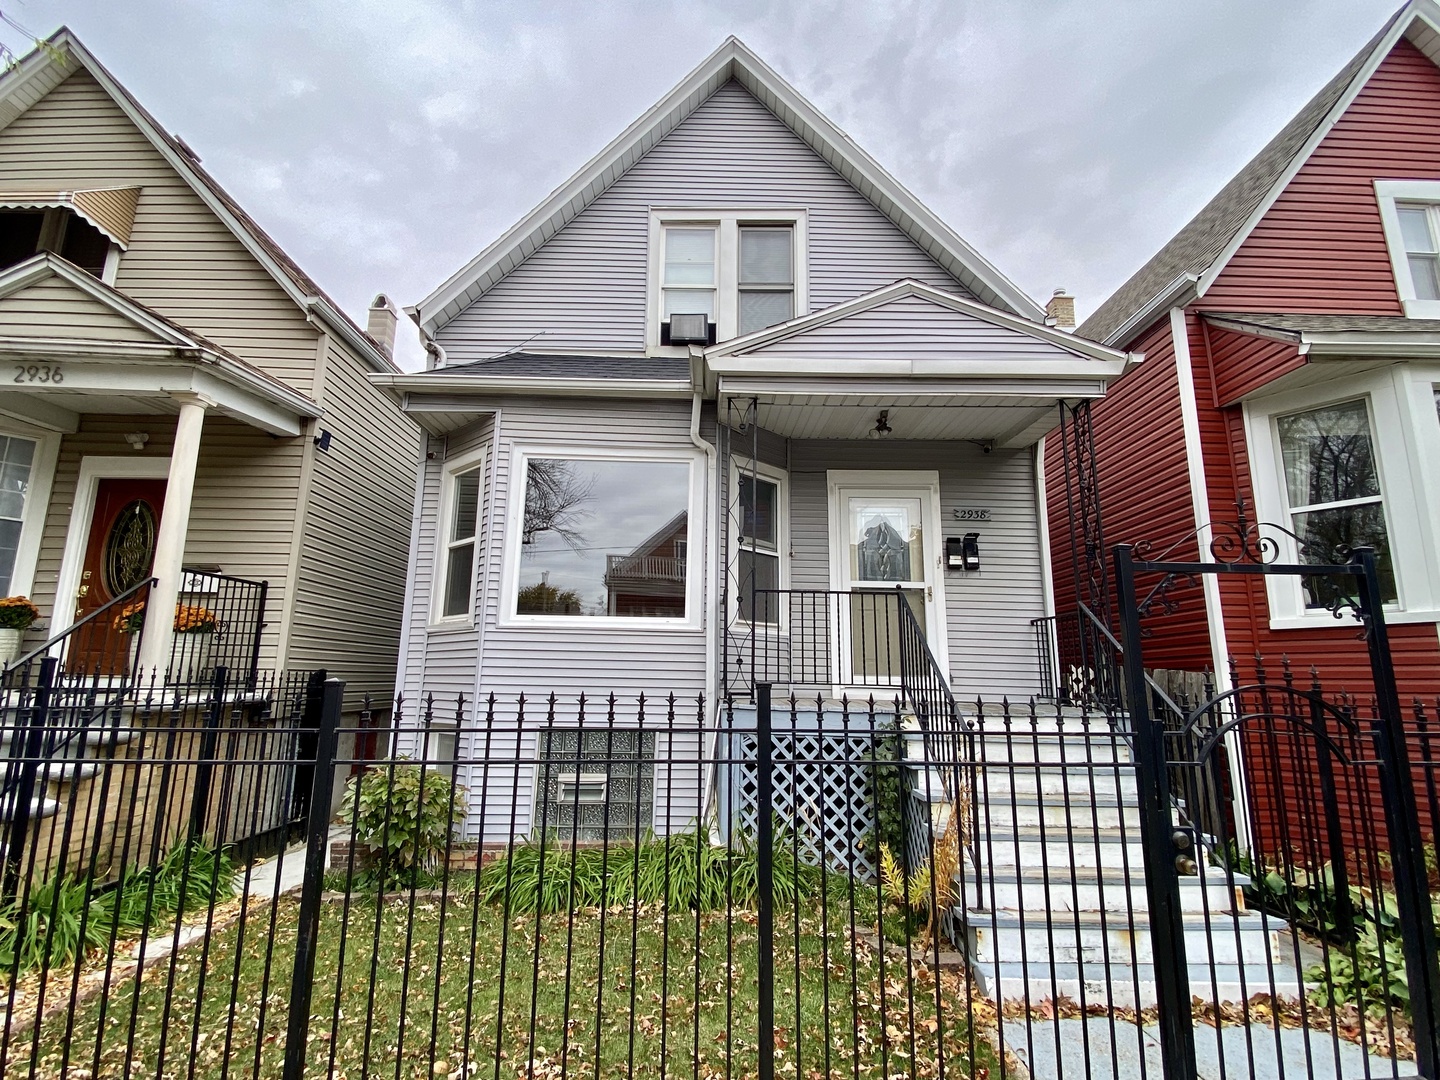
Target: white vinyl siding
(587, 288)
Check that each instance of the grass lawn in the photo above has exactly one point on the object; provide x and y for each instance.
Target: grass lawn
(455, 991)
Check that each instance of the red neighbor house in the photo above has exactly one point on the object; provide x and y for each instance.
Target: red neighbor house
(1291, 334)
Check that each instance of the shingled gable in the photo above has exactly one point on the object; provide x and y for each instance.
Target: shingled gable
(731, 61)
(43, 69)
(1185, 268)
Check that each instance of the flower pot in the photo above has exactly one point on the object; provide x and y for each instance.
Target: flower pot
(190, 659)
(10, 639)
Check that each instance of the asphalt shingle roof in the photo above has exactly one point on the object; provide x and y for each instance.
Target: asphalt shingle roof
(551, 366)
(1327, 324)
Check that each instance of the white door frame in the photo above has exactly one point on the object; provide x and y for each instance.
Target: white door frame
(841, 483)
(93, 469)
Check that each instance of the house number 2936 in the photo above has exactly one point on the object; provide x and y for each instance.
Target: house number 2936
(41, 373)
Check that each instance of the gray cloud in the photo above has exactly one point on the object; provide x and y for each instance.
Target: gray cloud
(384, 144)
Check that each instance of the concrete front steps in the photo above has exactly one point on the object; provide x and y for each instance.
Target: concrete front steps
(1054, 901)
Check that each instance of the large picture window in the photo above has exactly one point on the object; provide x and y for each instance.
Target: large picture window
(604, 538)
(1332, 489)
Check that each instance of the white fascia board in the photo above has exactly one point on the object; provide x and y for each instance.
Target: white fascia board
(1424, 12)
(980, 367)
(366, 349)
(252, 408)
(1047, 390)
(262, 387)
(412, 386)
(1178, 293)
(1418, 344)
(899, 290)
(732, 58)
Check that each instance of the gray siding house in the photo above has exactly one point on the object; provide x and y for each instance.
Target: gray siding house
(181, 401)
(702, 416)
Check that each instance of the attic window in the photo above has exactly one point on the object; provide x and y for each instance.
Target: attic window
(23, 233)
(1410, 214)
(742, 270)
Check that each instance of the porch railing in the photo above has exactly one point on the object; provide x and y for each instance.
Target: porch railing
(865, 642)
(218, 623)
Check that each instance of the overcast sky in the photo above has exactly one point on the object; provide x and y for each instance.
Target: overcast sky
(384, 144)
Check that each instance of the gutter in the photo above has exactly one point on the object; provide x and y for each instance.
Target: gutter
(540, 386)
(1178, 293)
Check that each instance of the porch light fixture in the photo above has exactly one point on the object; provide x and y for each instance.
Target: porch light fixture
(137, 439)
(322, 441)
(882, 425)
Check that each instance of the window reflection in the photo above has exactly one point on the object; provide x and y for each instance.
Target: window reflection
(604, 538)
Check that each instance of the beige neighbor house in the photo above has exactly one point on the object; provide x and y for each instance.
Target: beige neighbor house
(180, 400)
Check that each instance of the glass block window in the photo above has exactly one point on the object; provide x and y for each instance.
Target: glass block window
(595, 785)
(16, 458)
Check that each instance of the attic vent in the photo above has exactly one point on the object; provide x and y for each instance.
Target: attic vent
(689, 329)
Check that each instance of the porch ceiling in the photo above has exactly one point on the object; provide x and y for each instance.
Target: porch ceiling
(1007, 419)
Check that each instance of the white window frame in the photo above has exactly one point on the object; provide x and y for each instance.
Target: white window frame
(781, 479)
(473, 461)
(521, 453)
(37, 502)
(727, 222)
(1388, 193)
(1404, 428)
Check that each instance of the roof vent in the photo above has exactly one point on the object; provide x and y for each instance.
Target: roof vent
(689, 329)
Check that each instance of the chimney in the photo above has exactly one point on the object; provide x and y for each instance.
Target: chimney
(381, 326)
(1060, 311)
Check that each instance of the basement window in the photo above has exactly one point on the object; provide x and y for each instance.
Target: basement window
(595, 785)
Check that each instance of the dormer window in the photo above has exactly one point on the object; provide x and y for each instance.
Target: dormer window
(88, 227)
(742, 270)
(1410, 214)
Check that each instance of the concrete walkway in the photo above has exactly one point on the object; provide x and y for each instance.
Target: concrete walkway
(289, 866)
(1055, 1049)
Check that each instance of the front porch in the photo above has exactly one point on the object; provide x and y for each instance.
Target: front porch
(145, 469)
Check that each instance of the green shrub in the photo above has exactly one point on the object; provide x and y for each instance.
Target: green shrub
(405, 814)
(63, 919)
(683, 871)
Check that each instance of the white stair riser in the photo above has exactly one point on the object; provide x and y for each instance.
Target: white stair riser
(1057, 853)
(996, 784)
(1063, 893)
(1024, 749)
(1056, 813)
(1127, 990)
(1089, 944)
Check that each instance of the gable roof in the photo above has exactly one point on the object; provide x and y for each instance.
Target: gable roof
(45, 68)
(1186, 266)
(951, 320)
(732, 60)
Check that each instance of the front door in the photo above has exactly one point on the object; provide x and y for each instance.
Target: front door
(884, 550)
(119, 554)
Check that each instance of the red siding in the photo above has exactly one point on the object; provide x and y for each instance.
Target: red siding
(1321, 247)
(1144, 488)
(1244, 362)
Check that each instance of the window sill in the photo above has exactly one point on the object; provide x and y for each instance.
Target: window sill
(599, 622)
(452, 626)
(1422, 309)
(1321, 620)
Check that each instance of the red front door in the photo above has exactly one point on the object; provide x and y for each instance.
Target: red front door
(118, 556)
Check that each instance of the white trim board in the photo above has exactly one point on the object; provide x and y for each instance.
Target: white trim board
(93, 469)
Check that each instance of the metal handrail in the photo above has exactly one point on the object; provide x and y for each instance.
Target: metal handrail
(73, 627)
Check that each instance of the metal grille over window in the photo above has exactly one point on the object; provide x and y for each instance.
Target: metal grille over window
(1418, 231)
(595, 785)
(16, 457)
(1333, 489)
(758, 562)
(767, 277)
(460, 546)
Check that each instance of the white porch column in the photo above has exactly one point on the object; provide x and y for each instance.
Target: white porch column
(170, 538)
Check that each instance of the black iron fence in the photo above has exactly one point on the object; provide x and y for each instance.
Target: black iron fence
(547, 886)
(218, 622)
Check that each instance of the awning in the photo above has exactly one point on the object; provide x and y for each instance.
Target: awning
(111, 210)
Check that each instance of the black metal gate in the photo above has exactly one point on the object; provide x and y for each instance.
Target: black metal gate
(1303, 800)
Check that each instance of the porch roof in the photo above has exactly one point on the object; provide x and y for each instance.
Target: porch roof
(95, 350)
(941, 366)
(1346, 336)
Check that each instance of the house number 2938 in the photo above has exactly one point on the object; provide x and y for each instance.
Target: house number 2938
(974, 513)
(41, 373)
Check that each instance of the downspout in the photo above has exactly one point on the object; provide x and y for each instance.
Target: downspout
(712, 548)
